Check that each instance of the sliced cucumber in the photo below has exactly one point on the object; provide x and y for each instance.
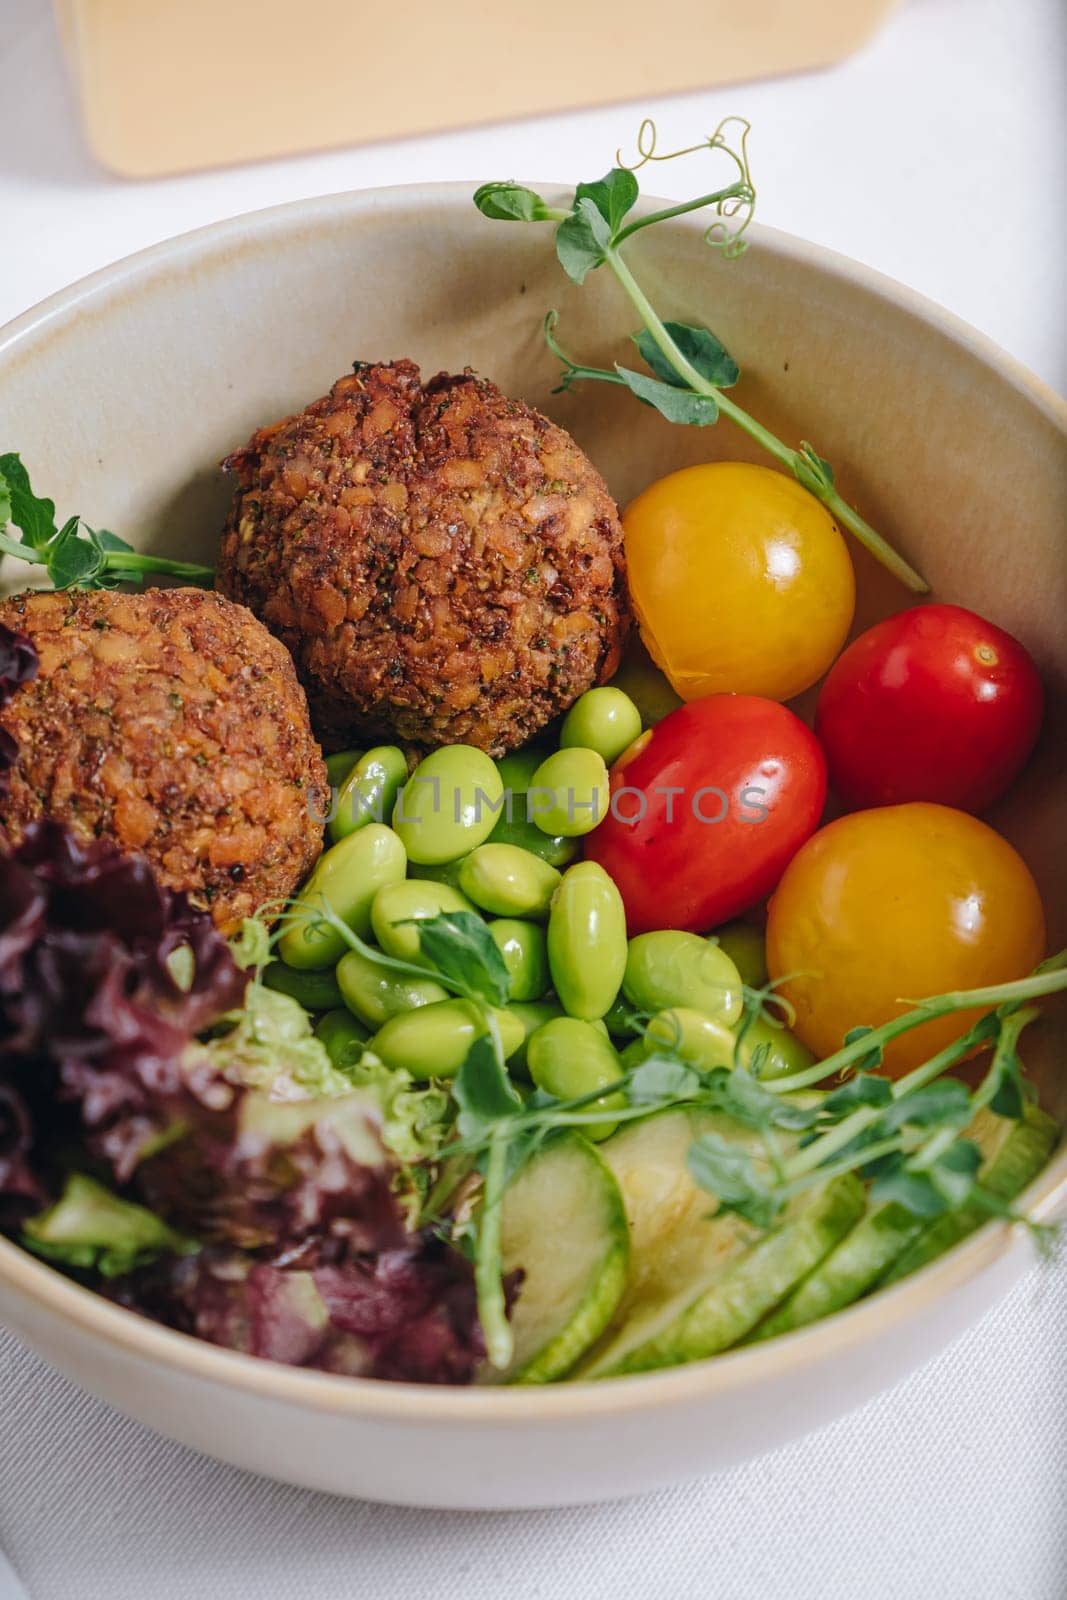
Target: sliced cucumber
(1016, 1153)
(680, 1252)
(750, 1286)
(563, 1223)
(887, 1237)
(847, 1272)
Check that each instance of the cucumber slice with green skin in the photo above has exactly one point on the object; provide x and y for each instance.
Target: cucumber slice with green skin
(882, 1241)
(1023, 1148)
(678, 1248)
(562, 1222)
(752, 1285)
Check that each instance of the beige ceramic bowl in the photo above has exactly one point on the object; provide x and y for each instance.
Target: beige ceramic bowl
(122, 394)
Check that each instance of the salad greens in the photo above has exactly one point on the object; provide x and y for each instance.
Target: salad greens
(690, 369)
(73, 555)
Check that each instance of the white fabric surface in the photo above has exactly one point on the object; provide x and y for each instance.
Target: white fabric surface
(951, 1487)
(937, 156)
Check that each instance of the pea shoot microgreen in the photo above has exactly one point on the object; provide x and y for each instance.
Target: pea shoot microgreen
(74, 555)
(690, 369)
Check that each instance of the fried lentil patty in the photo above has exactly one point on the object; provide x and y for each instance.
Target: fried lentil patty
(444, 563)
(172, 722)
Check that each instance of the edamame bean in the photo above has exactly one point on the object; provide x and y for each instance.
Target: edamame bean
(508, 882)
(619, 1019)
(570, 793)
(449, 804)
(784, 1052)
(551, 847)
(514, 825)
(671, 968)
(369, 792)
(570, 1058)
(373, 993)
(343, 1036)
(447, 872)
(587, 941)
(518, 767)
(604, 720)
(699, 1040)
(347, 878)
(435, 1040)
(525, 950)
(315, 991)
(399, 904)
(633, 1055)
(745, 946)
(339, 766)
(531, 1014)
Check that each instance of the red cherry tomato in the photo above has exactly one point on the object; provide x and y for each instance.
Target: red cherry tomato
(707, 810)
(932, 704)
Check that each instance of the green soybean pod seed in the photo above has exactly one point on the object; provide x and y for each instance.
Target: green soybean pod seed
(508, 882)
(783, 1055)
(604, 720)
(447, 872)
(435, 1040)
(570, 793)
(531, 1015)
(633, 1055)
(449, 804)
(518, 767)
(374, 993)
(343, 1035)
(369, 792)
(347, 878)
(746, 947)
(315, 991)
(551, 847)
(587, 941)
(339, 766)
(398, 905)
(671, 968)
(701, 1041)
(570, 1058)
(525, 950)
(618, 1019)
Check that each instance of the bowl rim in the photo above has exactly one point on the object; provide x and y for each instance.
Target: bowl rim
(51, 1293)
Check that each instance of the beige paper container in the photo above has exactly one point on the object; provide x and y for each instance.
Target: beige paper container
(177, 84)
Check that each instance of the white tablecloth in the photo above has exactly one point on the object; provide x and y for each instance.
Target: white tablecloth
(935, 155)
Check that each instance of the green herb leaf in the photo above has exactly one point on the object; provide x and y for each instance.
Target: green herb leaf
(677, 405)
(32, 513)
(613, 195)
(865, 1089)
(928, 1189)
(73, 562)
(459, 946)
(483, 1091)
(105, 540)
(700, 348)
(511, 202)
(582, 241)
(662, 1078)
(944, 1103)
(728, 1172)
(741, 1096)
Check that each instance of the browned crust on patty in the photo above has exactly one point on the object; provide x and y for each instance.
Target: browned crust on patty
(172, 722)
(445, 564)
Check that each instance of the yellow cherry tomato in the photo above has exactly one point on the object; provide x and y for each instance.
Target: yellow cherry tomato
(891, 906)
(740, 580)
